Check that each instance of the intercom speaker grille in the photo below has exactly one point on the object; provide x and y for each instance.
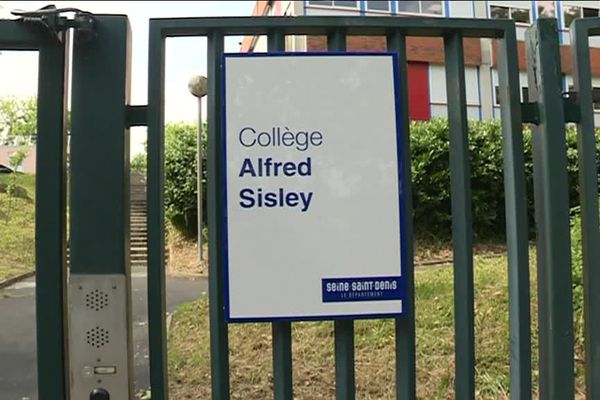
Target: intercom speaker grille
(97, 337)
(96, 300)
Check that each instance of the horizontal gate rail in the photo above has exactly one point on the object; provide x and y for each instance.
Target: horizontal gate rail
(581, 30)
(318, 25)
(50, 202)
(337, 29)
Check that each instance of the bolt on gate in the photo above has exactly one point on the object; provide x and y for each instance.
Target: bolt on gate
(99, 148)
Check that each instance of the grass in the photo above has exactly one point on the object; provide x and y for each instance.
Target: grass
(17, 229)
(250, 346)
(183, 254)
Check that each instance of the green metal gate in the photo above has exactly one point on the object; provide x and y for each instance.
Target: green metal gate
(102, 115)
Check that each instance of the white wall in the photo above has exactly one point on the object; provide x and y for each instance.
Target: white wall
(596, 84)
(495, 82)
(319, 10)
(461, 9)
(437, 91)
(261, 44)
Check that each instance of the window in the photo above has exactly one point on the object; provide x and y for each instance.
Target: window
(334, 3)
(378, 5)
(524, 95)
(519, 14)
(570, 13)
(596, 97)
(590, 12)
(431, 7)
(349, 4)
(421, 7)
(546, 9)
(498, 12)
(409, 6)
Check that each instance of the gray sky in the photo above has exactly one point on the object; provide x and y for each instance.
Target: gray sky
(185, 57)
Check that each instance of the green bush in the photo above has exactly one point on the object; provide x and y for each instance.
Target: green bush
(431, 176)
(577, 261)
(139, 163)
(180, 176)
(577, 274)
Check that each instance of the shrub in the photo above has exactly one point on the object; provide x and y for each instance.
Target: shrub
(180, 176)
(431, 176)
(139, 163)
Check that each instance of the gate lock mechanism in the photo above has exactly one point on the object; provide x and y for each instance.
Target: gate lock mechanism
(50, 17)
(99, 394)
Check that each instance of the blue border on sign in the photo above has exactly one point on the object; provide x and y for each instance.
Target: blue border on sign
(224, 249)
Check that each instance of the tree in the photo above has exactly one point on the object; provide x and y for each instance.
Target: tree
(17, 158)
(18, 121)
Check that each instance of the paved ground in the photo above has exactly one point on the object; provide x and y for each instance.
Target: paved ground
(17, 332)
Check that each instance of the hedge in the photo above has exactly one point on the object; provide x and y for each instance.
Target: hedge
(181, 142)
(430, 172)
(431, 176)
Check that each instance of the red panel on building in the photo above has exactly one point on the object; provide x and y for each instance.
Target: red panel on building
(418, 91)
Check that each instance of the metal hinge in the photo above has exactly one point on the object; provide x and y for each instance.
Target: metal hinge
(50, 17)
(530, 111)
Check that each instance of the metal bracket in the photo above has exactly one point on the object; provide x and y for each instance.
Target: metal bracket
(50, 17)
(530, 111)
(136, 116)
(571, 107)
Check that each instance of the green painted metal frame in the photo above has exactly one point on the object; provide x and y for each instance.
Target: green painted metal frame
(336, 29)
(555, 300)
(50, 208)
(581, 30)
(406, 373)
(554, 273)
(281, 331)
(99, 151)
(517, 231)
(462, 218)
(99, 198)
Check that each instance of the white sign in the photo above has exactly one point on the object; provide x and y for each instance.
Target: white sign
(313, 209)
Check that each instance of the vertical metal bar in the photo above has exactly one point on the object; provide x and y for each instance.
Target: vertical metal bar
(100, 151)
(516, 218)
(588, 187)
(555, 298)
(219, 345)
(343, 329)
(462, 220)
(50, 224)
(282, 331)
(157, 327)
(405, 326)
(99, 198)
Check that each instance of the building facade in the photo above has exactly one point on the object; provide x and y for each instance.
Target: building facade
(426, 74)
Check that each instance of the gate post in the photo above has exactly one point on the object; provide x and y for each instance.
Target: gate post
(555, 299)
(99, 286)
(588, 195)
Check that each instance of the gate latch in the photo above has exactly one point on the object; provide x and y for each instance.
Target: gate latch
(50, 17)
